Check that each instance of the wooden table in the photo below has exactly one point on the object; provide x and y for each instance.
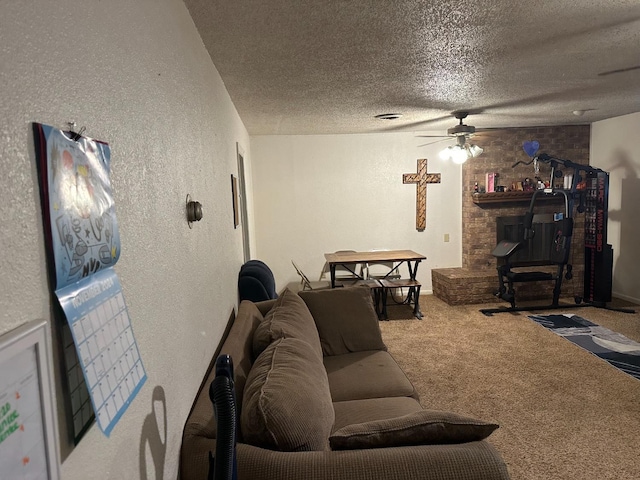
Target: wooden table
(411, 258)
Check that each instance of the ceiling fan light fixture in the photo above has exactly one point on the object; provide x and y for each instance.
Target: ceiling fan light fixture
(455, 153)
(445, 153)
(475, 150)
(461, 153)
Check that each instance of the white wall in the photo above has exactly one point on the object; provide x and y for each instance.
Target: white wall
(137, 75)
(318, 194)
(614, 149)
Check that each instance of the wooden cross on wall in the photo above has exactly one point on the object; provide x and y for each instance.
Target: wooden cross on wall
(421, 179)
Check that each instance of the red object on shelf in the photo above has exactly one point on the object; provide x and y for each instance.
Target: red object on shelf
(490, 182)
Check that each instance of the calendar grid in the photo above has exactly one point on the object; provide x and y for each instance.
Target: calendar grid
(108, 352)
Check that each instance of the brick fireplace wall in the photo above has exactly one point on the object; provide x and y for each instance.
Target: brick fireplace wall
(477, 279)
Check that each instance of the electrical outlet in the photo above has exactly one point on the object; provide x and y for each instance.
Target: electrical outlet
(446, 237)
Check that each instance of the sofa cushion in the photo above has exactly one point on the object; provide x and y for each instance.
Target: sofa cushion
(287, 405)
(288, 318)
(346, 319)
(369, 409)
(426, 427)
(371, 374)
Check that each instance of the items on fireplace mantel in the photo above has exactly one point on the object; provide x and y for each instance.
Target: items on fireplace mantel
(510, 197)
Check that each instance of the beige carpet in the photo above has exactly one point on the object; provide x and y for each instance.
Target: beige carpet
(563, 413)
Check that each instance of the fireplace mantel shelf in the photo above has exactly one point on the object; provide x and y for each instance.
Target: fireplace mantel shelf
(510, 197)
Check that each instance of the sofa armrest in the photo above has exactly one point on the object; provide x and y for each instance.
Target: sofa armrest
(466, 461)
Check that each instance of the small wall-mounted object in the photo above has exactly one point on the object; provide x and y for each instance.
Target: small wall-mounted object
(194, 211)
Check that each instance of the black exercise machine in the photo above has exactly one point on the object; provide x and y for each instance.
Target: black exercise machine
(556, 252)
(592, 200)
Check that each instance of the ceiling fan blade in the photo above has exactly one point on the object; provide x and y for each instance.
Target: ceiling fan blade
(420, 124)
(436, 141)
(434, 136)
(485, 131)
(619, 70)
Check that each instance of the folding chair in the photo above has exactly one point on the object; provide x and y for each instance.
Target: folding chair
(346, 274)
(308, 284)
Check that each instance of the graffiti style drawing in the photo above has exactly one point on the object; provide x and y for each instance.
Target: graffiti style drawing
(84, 228)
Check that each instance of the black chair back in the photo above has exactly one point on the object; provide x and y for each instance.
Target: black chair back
(256, 282)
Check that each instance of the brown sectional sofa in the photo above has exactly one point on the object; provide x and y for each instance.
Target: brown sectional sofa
(321, 398)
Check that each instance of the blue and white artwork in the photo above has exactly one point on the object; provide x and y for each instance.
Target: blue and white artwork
(84, 230)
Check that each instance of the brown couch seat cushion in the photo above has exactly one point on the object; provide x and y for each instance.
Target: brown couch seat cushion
(287, 405)
(369, 374)
(349, 412)
(426, 427)
(346, 319)
(288, 318)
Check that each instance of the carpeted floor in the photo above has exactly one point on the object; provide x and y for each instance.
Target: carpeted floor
(563, 413)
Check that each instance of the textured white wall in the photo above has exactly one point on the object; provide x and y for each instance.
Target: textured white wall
(317, 194)
(136, 74)
(613, 149)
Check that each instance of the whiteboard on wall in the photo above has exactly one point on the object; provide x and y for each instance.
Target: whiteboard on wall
(28, 438)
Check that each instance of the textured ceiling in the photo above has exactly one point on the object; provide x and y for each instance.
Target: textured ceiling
(330, 66)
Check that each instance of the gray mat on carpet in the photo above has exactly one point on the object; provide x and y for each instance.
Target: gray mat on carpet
(614, 348)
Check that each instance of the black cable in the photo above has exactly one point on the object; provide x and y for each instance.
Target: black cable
(521, 162)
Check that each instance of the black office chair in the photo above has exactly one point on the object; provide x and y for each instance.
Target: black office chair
(256, 282)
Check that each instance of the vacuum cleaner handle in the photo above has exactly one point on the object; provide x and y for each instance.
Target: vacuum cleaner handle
(222, 394)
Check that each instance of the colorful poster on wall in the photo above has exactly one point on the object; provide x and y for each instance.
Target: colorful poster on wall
(84, 231)
(83, 244)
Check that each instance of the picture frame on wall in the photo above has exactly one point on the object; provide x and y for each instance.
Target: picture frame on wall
(234, 195)
(28, 435)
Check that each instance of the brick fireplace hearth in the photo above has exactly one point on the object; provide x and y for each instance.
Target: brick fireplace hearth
(477, 279)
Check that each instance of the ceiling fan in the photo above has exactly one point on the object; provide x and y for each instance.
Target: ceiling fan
(460, 130)
(461, 151)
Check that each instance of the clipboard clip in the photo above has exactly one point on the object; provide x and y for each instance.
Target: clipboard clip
(75, 136)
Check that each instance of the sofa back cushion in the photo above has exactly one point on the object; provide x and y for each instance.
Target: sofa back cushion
(287, 405)
(288, 318)
(345, 318)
